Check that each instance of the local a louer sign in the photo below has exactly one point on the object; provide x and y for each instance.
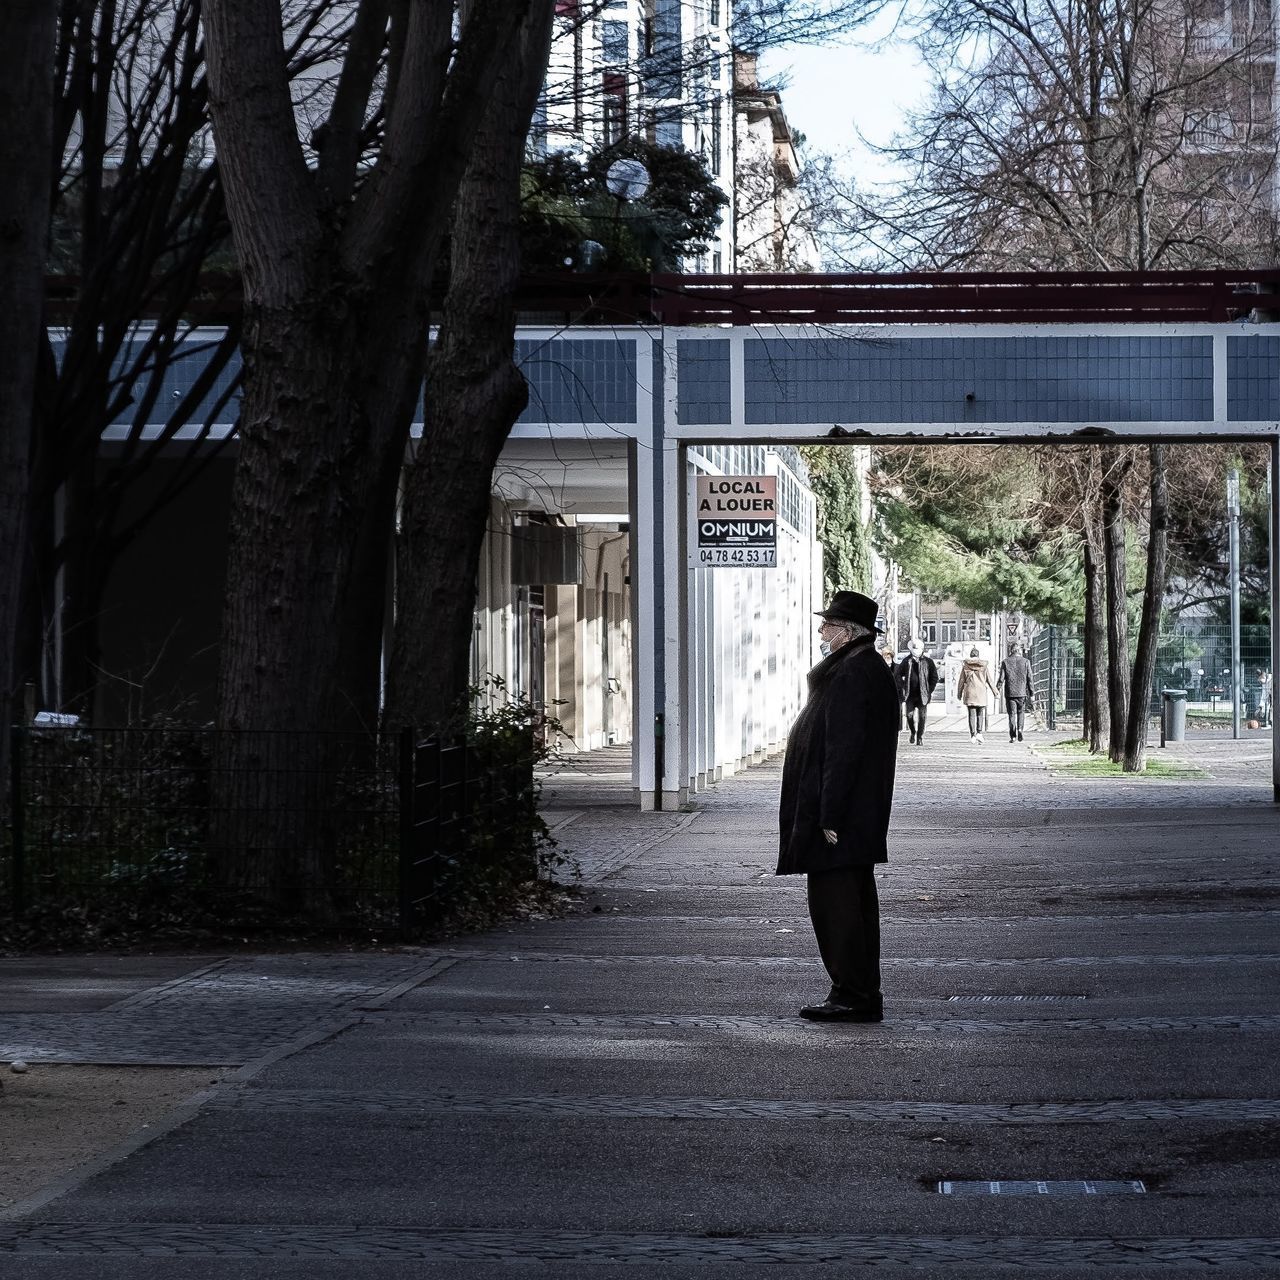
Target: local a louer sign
(737, 521)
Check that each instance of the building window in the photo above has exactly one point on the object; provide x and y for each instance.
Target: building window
(577, 78)
(613, 43)
(668, 133)
(614, 107)
(929, 632)
(717, 266)
(715, 137)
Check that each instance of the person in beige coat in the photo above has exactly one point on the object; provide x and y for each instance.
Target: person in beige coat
(971, 689)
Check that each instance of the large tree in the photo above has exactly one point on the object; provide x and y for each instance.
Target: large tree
(974, 524)
(337, 224)
(337, 231)
(138, 258)
(136, 219)
(26, 108)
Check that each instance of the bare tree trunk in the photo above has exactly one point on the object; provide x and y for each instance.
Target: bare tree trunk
(1135, 744)
(1115, 471)
(1096, 718)
(311, 514)
(337, 260)
(474, 395)
(26, 107)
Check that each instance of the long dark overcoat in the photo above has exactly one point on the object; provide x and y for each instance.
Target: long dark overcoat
(838, 771)
(928, 679)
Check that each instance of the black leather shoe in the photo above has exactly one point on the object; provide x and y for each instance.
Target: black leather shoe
(1019, 735)
(829, 1011)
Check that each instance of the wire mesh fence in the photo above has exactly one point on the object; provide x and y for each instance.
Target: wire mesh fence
(348, 830)
(1194, 657)
(471, 824)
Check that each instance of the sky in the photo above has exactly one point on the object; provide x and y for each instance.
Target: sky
(831, 94)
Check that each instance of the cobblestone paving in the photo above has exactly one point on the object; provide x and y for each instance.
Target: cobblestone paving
(601, 845)
(1217, 1110)
(1258, 1255)
(931, 918)
(1101, 889)
(900, 962)
(223, 1015)
(780, 1026)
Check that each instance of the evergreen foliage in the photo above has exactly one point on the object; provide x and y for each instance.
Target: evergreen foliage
(973, 534)
(565, 202)
(837, 487)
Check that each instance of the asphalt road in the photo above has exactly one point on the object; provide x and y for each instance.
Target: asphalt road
(1082, 1023)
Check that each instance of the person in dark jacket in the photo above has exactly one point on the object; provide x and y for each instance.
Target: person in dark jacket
(1019, 689)
(917, 676)
(837, 793)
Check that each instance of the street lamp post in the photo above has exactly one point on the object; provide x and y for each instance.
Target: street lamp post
(627, 180)
(1233, 512)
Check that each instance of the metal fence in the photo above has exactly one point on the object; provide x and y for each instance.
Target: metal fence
(353, 830)
(470, 823)
(1191, 656)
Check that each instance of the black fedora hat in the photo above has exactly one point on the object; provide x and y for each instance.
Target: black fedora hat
(852, 606)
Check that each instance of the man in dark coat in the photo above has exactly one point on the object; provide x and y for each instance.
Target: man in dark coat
(917, 676)
(837, 793)
(1018, 683)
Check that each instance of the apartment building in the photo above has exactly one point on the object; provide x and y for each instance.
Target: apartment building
(773, 226)
(656, 69)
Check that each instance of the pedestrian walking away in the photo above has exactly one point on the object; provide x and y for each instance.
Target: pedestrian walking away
(971, 689)
(837, 794)
(917, 676)
(1019, 689)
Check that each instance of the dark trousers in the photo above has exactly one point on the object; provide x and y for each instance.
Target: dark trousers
(977, 719)
(1015, 707)
(917, 714)
(845, 910)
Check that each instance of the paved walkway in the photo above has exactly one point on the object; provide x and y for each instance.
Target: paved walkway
(1082, 1014)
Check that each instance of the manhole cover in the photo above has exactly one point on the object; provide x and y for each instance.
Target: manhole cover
(1006, 999)
(1031, 1188)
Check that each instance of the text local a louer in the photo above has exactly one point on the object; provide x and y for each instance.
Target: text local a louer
(721, 496)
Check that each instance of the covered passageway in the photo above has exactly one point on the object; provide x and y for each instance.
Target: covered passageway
(724, 375)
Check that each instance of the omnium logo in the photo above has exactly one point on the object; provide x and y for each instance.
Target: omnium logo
(736, 528)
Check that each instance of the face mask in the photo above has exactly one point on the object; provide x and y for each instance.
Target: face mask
(824, 648)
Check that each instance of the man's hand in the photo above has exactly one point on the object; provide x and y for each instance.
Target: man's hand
(831, 836)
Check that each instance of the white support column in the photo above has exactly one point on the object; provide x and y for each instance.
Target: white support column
(1275, 621)
(706, 680)
(672, 538)
(659, 576)
(644, 611)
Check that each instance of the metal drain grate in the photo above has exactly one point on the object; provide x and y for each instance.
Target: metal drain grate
(1026, 1188)
(1007, 999)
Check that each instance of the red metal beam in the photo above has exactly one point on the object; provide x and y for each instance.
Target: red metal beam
(1088, 297)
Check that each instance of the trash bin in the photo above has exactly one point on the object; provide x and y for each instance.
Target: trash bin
(1173, 715)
